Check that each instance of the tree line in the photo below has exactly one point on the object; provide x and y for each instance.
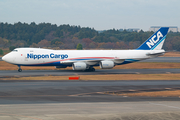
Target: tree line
(68, 37)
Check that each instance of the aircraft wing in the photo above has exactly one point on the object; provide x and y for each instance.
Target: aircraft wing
(92, 61)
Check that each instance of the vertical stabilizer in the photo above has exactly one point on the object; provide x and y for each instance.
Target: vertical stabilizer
(156, 41)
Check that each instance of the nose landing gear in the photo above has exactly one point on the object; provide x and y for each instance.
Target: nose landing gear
(19, 70)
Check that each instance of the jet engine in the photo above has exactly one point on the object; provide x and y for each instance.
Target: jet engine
(106, 64)
(79, 66)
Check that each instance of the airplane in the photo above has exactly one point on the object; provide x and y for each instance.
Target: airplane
(85, 60)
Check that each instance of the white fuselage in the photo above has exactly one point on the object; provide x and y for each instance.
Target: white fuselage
(47, 57)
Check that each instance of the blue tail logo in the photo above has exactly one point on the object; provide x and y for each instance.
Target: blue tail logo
(155, 42)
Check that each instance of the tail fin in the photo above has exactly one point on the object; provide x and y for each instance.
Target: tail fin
(156, 41)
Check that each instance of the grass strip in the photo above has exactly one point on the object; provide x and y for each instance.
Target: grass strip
(175, 93)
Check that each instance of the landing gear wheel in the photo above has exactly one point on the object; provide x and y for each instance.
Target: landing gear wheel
(91, 69)
(19, 70)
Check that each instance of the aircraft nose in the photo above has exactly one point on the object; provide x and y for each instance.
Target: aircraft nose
(7, 58)
(4, 58)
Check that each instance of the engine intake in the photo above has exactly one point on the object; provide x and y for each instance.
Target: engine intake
(106, 64)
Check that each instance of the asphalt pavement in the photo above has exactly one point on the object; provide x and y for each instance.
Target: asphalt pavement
(86, 100)
(31, 92)
(21, 92)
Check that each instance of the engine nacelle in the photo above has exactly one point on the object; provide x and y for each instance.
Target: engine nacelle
(106, 64)
(79, 66)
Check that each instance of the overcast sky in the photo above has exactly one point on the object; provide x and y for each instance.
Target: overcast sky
(97, 14)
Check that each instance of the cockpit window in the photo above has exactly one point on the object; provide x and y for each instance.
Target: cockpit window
(15, 50)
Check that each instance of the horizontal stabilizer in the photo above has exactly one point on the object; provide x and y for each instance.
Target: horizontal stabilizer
(155, 54)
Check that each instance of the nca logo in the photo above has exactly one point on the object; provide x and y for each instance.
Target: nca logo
(152, 41)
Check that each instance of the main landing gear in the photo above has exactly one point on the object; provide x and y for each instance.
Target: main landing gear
(19, 70)
(91, 69)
